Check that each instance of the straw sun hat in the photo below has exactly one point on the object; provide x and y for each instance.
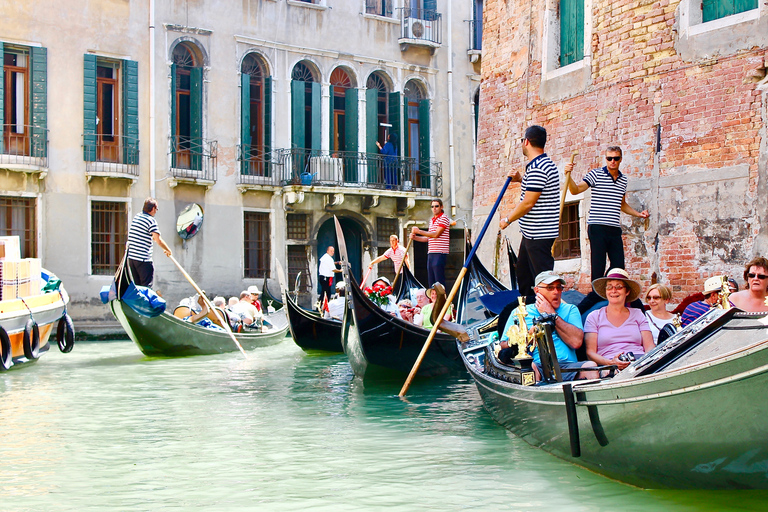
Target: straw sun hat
(617, 274)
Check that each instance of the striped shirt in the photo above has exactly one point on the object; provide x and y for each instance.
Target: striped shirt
(607, 196)
(396, 256)
(694, 311)
(543, 221)
(140, 237)
(441, 244)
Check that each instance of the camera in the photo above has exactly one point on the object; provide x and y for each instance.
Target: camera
(627, 357)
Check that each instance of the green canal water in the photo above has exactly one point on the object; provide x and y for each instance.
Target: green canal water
(105, 428)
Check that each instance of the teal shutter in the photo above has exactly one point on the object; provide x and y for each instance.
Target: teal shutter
(351, 120)
(2, 96)
(89, 108)
(406, 130)
(174, 133)
(245, 122)
(131, 112)
(394, 117)
(571, 31)
(331, 123)
(371, 120)
(430, 5)
(268, 126)
(298, 129)
(716, 9)
(39, 101)
(424, 152)
(316, 113)
(196, 118)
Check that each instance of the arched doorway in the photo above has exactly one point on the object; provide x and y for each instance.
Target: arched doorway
(353, 235)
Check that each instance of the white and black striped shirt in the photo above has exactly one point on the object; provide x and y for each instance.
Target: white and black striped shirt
(543, 220)
(607, 196)
(140, 237)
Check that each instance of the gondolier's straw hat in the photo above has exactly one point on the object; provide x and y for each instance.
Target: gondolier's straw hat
(617, 274)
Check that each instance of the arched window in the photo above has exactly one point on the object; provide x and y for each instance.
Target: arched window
(256, 117)
(305, 108)
(187, 108)
(377, 112)
(343, 99)
(416, 119)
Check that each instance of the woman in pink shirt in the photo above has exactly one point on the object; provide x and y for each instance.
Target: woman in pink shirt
(615, 329)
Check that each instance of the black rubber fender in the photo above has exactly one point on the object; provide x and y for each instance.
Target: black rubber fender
(6, 356)
(31, 340)
(65, 333)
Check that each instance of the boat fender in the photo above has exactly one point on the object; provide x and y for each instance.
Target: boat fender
(573, 421)
(65, 333)
(6, 357)
(31, 340)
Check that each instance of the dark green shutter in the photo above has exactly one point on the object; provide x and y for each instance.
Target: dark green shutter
(316, 113)
(298, 129)
(424, 153)
(196, 117)
(131, 112)
(371, 120)
(39, 101)
(268, 126)
(331, 122)
(394, 117)
(89, 108)
(716, 9)
(571, 31)
(174, 106)
(351, 120)
(2, 95)
(430, 5)
(406, 129)
(245, 121)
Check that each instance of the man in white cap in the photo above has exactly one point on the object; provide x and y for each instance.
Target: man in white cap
(336, 306)
(712, 288)
(255, 292)
(568, 334)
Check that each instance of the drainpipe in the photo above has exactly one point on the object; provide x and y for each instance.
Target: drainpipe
(450, 110)
(152, 98)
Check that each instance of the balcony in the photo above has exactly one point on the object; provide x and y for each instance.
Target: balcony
(258, 170)
(24, 148)
(420, 27)
(193, 161)
(111, 156)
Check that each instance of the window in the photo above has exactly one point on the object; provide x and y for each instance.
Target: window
(256, 120)
(187, 110)
(17, 218)
(257, 244)
(377, 112)
(719, 27)
(379, 7)
(298, 226)
(298, 262)
(109, 234)
(416, 117)
(571, 31)
(569, 244)
(23, 101)
(716, 9)
(305, 108)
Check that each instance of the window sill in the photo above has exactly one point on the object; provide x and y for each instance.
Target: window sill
(308, 5)
(724, 36)
(724, 23)
(566, 81)
(568, 266)
(566, 70)
(377, 17)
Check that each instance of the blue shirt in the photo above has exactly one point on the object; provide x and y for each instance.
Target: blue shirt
(694, 311)
(568, 312)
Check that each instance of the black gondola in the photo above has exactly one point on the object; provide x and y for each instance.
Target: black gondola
(267, 298)
(405, 284)
(478, 283)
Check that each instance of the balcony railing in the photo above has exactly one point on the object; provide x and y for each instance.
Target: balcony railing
(379, 7)
(193, 158)
(24, 145)
(306, 167)
(475, 34)
(420, 26)
(116, 154)
(256, 166)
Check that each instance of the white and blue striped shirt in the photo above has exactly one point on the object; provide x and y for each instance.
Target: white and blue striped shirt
(607, 196)
(543, 221)
(140, 237)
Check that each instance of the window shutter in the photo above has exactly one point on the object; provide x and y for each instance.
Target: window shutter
(571, 31)
(174, 134)
(716, 9)
(406, 130)
(245, 121)
(2, 96)
(89, 108)
(371, 120)
(430, 5)
(424, 152)
(316, 113)
(267, 126)
(331, 122)
(131, 112)
(196, 117)
(394, 116)
(39, 101)
(351, 120)
(298, 129)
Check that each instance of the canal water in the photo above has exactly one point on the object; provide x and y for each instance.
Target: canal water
(105, 428)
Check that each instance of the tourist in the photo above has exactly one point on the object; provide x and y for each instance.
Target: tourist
(246, 310)
(712, 288)
(421, 301)
(407, 310)
(657, 297)
(201, 317)
(337, 305)
(753, 298)
(436, 296)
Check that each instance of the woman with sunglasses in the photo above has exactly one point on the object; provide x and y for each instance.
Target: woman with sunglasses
(657, 297)
(756, 276)
(616, 334)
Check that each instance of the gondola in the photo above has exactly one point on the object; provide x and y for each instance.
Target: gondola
(475, 289)
(267, 299)
(166, 335)
(690, 414)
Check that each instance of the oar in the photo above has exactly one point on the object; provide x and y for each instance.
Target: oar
(362, 283)
(400, 268)
(210, 306)
(562, 198)
(455, 289)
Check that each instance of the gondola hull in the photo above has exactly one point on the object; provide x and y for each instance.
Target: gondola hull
(698, 423)
(310, 331)
(168, 336)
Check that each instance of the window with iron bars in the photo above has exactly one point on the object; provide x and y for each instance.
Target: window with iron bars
(256, 240)
(109, 234)
(297, 226)
(17, 217)
(298, 261)
(569, 244)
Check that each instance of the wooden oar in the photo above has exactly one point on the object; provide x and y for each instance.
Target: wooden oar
(455, 289)
(362, 283)
(210, 305)
(400, 268)
(562, 198)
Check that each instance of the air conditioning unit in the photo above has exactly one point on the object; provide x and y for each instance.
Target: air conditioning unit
(326, 169)
(416, 28)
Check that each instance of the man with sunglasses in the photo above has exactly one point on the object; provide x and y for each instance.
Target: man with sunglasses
(438, 243)
(753, 298)
(609, 199)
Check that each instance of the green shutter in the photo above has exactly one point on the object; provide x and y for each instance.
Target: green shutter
(351, 119)
(89, 108)
(2, 96)
(39, 102)
(394, 117)
(268, 126)
(316, 113)
(174, 134)
(131, 112)
(298, 129)
(406, 130)
(424, 153)
(331, 122)
(245, 121)
(371, 120)
(196, 118)
(571, 31)
(716, 9)
(430, 5)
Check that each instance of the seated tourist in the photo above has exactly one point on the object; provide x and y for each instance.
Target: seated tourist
(421, 301)
(201, 317)
(753, 299)
(391, 306)
(657, 297)
(426, 312)
(255, 292)
(614, 331)
(337, 305)
(245, 309)
(567, 336)
(407, 310)
(712, 288)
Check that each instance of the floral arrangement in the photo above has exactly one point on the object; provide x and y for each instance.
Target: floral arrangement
(379, 293)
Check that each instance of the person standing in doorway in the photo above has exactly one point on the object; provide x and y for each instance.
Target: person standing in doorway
(325, 272)
(538, 211)
(142, 232)
(389, 150)
(438, 243)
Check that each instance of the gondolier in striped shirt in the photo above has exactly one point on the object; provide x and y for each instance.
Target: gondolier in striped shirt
(142, 232)
(609, 199)
(438, 243)
(538, 210)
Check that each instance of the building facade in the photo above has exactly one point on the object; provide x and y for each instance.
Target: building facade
(266, 113)
(680, 85)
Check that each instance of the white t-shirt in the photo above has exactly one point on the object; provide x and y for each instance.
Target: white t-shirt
(657, 324)
(336, 308)
(326, 266)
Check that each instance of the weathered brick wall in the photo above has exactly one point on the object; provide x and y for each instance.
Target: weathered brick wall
(704, 184)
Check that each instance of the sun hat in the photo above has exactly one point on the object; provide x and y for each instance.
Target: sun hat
(254, 290)
(382, 278)
(713, 284)
(617, 274)
(340, 285)
(548, 277)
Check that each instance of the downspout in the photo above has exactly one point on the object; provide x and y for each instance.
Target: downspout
(152, 98)
(450, 110)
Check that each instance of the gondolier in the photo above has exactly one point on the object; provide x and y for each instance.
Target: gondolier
(395, 252)
(142, 232)
(438, 243)
(326, 271)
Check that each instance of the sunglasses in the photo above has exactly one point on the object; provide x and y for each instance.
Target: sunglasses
(653, 297)
(613, 158)
(522, 141)
(615, 287)
(759, 276)
(552, 288)
(435, 206)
